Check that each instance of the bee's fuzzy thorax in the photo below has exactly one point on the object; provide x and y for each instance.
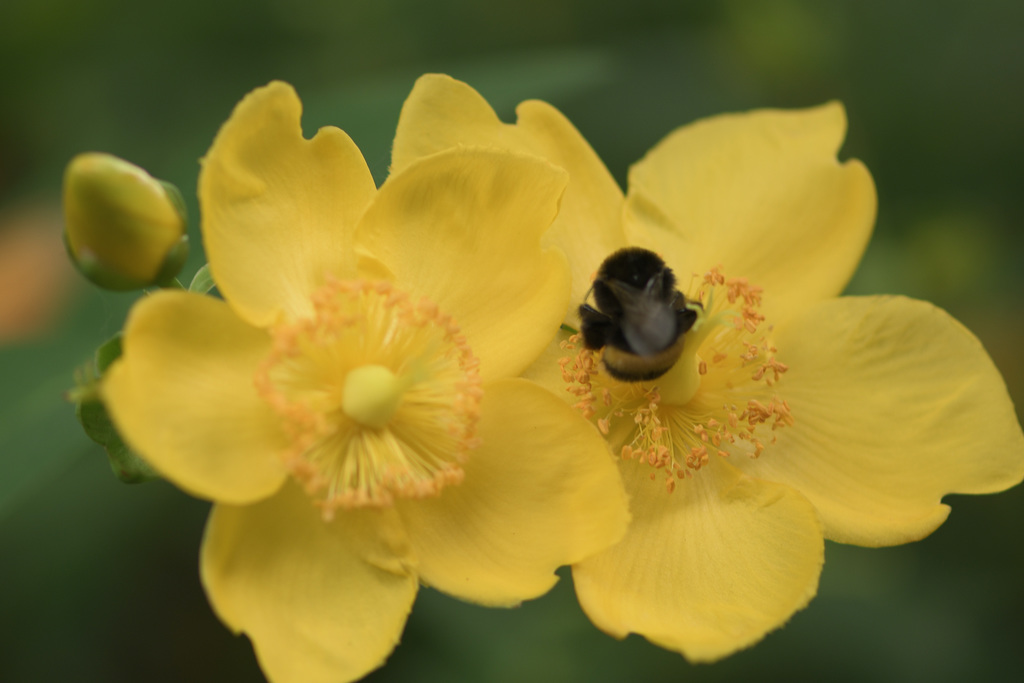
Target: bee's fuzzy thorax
(639, 316)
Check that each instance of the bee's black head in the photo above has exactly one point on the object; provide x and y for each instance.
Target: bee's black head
(634, 267)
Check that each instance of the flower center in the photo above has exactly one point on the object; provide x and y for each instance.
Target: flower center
(719, 399)
(379, 394)
(371, 395)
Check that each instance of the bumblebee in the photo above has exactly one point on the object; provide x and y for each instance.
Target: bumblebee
(639, 317)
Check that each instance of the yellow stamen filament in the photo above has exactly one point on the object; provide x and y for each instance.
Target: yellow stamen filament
(679, 422)
(379, 394)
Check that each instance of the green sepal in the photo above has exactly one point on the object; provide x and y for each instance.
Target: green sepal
(126, 465)
(202, 282)
(92, 414)
(173, 263)
(107, 353)
(177, 200)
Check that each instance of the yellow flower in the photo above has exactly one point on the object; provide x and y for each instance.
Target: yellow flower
(351, 406)
(792, 415)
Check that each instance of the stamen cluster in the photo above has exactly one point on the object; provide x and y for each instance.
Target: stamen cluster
(735, 408)
(341, 461)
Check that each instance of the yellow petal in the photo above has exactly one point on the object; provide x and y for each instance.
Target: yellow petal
(463, 228)
(540, 492)
(708, 569)
(442, 112)
(279, 210)
(896, 405)
(182, 396)
(763, 195)
(321, 602)
(547, 372)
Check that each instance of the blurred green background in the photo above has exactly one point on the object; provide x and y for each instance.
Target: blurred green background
(98, 580)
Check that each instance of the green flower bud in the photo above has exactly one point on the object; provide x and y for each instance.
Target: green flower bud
(92, 414)
(123, 229)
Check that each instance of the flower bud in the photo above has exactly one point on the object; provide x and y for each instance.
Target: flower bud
(123, 229)
(95, 420)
